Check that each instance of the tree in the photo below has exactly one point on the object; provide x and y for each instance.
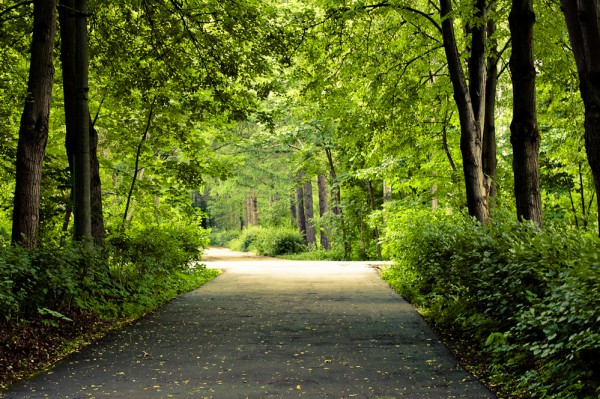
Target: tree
(81, 137)
(583, 24)
(489, 160)
(309, 212)
(323, 208)
(525, 136)
(470, 101)
(33, 132)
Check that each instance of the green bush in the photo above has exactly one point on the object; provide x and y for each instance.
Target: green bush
(157, 249)
(132, 267)
(224, 237)
(528, 296)
(269, 241)
(278, 241)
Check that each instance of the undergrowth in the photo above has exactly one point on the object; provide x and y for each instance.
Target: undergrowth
(52, 297)
(526, 298)
(269, 241)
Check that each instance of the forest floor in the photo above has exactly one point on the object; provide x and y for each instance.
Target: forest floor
(268, 328)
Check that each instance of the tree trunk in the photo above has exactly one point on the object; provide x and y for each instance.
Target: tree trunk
(477, 66)
(253, 203)
(470, 125)
(33, 132)
(323, 207)
(81, 163)
(300, 217)
(309, 214)
(336, 209)
(489, 124)
(97, 215)
(525, 137)
(583, 23)
(68, 39)
(373, 206)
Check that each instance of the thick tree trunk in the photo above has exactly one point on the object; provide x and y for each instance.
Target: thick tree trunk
(583, 24)
(489, 125)
(68, 39)
(33, 132)
(82, 210)
(477, 65)
(471, 130)
(323, 208)
(300, 217)
(525, 137)
(309, 213)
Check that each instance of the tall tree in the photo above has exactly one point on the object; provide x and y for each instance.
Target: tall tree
(323, 208)
(470, 103)
(33, 132)
(309, 213)
(489, 159)
(81, 161)
(300, 217)
(525, 136)
(583, 23)
(70, 30)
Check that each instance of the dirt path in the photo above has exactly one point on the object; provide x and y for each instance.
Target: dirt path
(268, 328)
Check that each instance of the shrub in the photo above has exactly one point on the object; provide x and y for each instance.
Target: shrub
(524, 294)
(224, 237)
(269, 241)
(278, 241)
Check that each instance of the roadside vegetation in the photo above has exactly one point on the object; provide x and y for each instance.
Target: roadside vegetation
(312, 129)
(525, 299)
(54, 300)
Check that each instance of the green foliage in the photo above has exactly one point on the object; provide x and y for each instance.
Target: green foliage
(222, 238)
(135, 272)
(318, 254)
(525, 295)
(269, 241)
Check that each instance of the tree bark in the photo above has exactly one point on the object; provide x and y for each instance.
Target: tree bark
(477, 65)
(372, 205)
(82, 210)
(97, 214)
(583, 24)
(489, 125)
(68, 40)
(323, 208)
(470, 126)
(33, 131)
(300, 217)
(309, 213)
(336, 209)
(525, 136)
(253, 203)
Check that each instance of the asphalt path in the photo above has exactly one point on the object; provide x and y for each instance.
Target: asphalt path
(268, 328)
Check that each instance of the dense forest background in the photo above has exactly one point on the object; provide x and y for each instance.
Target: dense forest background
(458, 138)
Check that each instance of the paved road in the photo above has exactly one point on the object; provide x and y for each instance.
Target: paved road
(269, 329)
